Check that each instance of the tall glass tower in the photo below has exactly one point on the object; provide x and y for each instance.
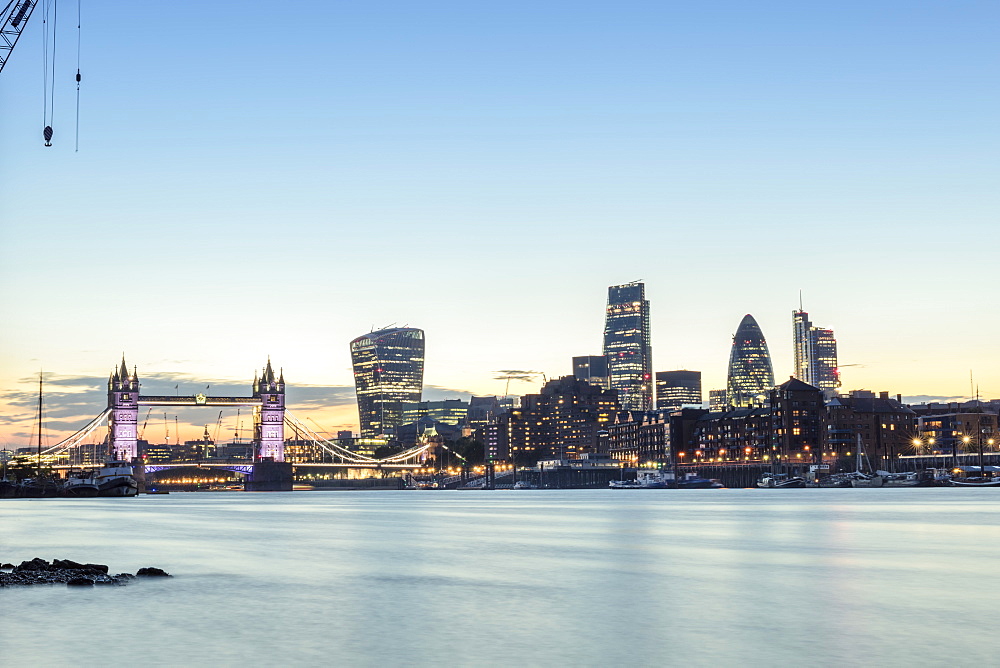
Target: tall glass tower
(627, 347)
(388, 378)
(750, 374)
(815, 353)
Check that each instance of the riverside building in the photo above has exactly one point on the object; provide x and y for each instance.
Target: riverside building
(883, 426)
(388, 378)
(627, 345)
(566, 419)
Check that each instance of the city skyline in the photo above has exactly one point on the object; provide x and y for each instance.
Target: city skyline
(333, 402)
(730, 157)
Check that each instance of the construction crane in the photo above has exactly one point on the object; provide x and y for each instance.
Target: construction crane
(15, 17)
(13, 20)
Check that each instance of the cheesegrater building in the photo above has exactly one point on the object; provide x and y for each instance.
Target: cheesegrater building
(627, 346)
(750, 373)
(388, 378)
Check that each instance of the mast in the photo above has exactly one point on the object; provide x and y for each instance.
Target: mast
(979, 439)
(39, 424)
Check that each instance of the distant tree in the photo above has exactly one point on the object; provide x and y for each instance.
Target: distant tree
(471, 449)
(19, 468)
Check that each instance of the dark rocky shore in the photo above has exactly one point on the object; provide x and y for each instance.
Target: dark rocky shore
(66, 571)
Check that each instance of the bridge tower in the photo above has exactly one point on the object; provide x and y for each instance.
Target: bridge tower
(123, 401)
(269, 416)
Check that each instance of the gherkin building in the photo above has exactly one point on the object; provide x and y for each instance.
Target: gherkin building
(750, 373)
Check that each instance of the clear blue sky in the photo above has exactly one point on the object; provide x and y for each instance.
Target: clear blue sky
(257, 179)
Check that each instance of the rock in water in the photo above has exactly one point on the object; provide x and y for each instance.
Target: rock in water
(36, 564)
(80, 582)
(152, 572)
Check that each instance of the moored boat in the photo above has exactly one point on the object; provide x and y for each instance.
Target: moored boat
(975, 476)
(115, 479)
(780, 481)
(81, 484)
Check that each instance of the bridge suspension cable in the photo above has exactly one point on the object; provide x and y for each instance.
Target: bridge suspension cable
(75, 439)
(328, 445)
(340, 451)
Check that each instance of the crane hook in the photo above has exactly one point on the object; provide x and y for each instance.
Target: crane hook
(47, 133)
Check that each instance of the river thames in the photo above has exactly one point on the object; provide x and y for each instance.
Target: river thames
(532, 577)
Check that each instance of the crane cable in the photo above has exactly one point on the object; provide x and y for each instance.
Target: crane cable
(78, 40)
(49, 66)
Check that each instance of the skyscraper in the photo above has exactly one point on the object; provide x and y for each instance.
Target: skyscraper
(815, 353)
(627, 347)
(750, 374)
(388, 378)
(675, 389)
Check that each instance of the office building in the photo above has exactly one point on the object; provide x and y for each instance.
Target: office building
(388, 377)
(627, 346)
(750, 375)
(448, 411)
(676, 389)
(815, 353)
(592, 369)
(482, 410)
(717, 400)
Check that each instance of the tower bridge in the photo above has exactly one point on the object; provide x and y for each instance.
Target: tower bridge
(270, 417)
(267, 400)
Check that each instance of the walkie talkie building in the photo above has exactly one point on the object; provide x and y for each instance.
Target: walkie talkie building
(388, 378)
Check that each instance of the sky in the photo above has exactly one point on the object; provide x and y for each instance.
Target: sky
(257, 180)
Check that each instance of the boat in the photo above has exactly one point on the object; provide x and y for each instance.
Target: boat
(780, 481)
(524, 484)
(43, 484)
(923, 478)
(836, 480)
(81, 484)
(985, 476)
(644, 480)
(624, 484)
(37, 488)
(665, 480)
(979, 478)
(862, 480)
(115, 479)
(695, 481)
(975, 482)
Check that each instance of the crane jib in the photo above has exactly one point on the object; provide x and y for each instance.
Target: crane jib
(25, 6)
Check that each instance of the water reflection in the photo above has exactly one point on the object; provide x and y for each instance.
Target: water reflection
(588, 577)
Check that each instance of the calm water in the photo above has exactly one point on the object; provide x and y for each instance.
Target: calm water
(541, 578)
